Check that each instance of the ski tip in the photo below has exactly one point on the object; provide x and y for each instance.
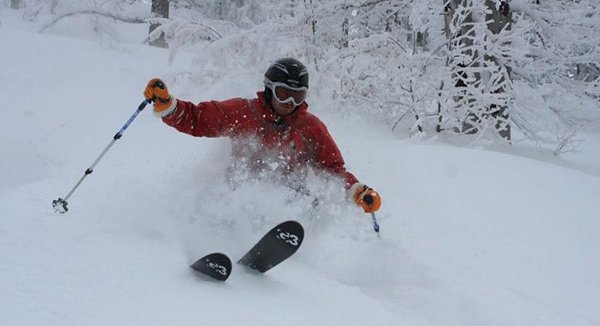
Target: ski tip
(277, 245)
(291, 224)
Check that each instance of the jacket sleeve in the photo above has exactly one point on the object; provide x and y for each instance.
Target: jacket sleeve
(325, 153)
(211, 118)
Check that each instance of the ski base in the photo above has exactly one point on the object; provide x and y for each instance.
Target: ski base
(276, 246)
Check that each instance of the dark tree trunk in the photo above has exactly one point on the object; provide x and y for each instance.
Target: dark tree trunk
(345, 30)
(161, 9)
(16, 4)
(500, 18)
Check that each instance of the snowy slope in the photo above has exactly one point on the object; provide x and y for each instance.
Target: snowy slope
(469, 236)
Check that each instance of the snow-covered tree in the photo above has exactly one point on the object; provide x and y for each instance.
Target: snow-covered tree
(556, 70)
(479, 61)
(502, 70)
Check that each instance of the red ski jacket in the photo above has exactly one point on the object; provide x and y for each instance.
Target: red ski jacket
(299, 140)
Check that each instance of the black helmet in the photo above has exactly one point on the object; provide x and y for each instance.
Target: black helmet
(288, 71)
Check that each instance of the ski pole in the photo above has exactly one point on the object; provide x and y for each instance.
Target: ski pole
(375, 224)
(60, 204)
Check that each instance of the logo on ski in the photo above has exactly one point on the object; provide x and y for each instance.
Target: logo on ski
(289, 238)
(218, 268)
(215, 265)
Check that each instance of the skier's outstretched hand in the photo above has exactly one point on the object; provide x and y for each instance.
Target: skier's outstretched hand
(157, 91)
(366, 197)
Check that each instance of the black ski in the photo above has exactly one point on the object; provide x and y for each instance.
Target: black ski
(216, 265)
(276, 246)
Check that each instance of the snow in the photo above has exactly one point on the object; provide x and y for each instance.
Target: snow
(469, 236)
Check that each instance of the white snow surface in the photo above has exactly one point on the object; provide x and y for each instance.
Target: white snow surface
(469, 236)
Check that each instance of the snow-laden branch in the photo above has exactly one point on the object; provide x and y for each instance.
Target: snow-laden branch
(115, 16)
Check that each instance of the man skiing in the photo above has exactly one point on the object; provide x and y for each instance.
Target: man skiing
(271, 134)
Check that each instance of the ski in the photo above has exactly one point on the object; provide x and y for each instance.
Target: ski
(276, 246)
(215, 265)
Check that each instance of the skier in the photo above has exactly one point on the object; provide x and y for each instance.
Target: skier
(272, 134)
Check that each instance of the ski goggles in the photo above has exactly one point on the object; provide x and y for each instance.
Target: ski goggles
(284, 93)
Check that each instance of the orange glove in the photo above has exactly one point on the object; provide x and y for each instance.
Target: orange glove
(365, 197)
(157, 91)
